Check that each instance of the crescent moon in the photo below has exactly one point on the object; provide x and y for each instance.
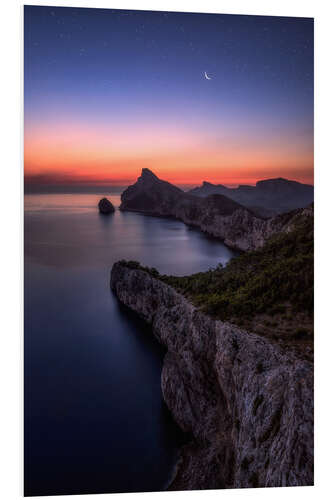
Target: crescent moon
(207, 77)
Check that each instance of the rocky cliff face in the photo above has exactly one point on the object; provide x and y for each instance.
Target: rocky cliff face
(150, 195)
(279, 195)
(216, 215)
(247, 406)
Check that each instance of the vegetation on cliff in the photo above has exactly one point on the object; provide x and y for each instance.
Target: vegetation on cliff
(261, 281)
(268, 291)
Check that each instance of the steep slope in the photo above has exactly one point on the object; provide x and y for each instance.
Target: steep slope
(245, 403)
(243, 394)
(151, 195)
(266, 197)
(268, 291)
(216, 215)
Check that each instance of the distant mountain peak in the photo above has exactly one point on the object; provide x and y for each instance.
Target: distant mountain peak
(268, 196)
(210, 184)
(155, 196)
(276, 180)
(148, 180)
(146, 173)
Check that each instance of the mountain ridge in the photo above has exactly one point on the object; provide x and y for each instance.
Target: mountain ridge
(267, 197)
(237, 226)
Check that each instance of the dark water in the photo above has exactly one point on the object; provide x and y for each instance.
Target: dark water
(94, 417)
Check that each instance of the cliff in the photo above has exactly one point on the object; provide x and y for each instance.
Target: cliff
(247, 405)
(267, 196)
(216, 215)
(269, 291)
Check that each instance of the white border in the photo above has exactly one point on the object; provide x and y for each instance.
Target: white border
(11, 231)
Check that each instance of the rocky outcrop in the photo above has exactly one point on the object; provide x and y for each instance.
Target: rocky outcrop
(279, 195)
(105, 206)
(247, 405)
(216, 215)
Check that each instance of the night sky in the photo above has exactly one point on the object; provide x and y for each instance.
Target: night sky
(108, 92)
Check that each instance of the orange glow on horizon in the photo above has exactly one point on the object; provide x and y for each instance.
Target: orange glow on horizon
(76, 153)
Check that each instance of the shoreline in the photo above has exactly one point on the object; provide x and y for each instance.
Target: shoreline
(205, 384)
(196, 227)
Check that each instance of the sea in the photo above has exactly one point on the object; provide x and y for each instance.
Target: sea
(94, 416)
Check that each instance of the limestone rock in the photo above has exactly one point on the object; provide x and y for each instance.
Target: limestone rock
(216, 215)
(247, 404)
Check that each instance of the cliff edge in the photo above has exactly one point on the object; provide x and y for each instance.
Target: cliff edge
(247, 405)
(217, 215)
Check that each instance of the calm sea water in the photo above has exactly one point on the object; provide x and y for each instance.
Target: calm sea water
(95, 420)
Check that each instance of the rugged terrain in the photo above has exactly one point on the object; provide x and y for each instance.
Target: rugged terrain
(267, 198)
(269, 291)
(217, 215)
(238, 372)
(246, 404)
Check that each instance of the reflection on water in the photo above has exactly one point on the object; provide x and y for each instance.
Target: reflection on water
(94, 416)
(66, 202)
(76, 235)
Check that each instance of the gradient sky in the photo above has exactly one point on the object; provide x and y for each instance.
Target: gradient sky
(108, 92)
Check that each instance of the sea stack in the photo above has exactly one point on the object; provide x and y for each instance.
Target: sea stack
(105, 206)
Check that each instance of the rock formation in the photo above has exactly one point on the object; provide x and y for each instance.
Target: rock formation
(216, 214)
(105, 206)
(266, 197)
(246, 404)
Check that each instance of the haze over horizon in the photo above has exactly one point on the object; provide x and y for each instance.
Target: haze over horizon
(109, 92)
(85, 188)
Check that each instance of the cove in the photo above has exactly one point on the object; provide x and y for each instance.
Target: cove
(95, 421)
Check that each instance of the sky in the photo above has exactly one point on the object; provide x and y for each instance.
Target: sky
(109, 92)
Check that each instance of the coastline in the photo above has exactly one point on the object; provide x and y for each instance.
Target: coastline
(189, 225)
(216, 215)
(247, 405)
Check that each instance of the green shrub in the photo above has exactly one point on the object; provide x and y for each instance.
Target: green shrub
(257, 282)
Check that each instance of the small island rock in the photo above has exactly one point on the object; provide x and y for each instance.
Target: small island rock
(105, 206)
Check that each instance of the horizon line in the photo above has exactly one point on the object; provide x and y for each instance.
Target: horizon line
(31, 186)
